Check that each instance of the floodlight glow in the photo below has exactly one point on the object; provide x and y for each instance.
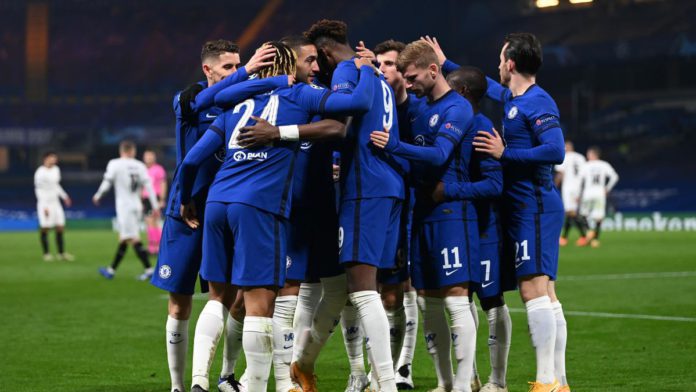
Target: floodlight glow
(580, 1)
(546, 3)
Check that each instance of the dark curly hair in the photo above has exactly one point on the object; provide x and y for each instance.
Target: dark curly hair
(325, 30)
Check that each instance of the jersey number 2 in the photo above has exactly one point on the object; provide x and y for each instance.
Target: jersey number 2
(270, 114)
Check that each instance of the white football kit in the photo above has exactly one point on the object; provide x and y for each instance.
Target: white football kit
(128, 176)
(597, 178)
(570, 188)
(48, 194)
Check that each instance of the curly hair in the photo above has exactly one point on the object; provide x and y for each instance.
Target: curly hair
(388, 46)
(326, 29)
(284, 62)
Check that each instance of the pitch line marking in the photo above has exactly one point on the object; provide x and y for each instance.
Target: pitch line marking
(637, 275)
(204, 297)
(618, 315)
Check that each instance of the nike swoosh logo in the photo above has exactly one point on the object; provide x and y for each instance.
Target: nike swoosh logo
(351, 339)
(517, 265)
(287, 347)
(487, 284)
(448, 273)
(207, 115)
(176, 342)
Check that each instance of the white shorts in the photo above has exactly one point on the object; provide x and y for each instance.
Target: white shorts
(128, 223)
(50, 215)
(594, 208)
(570, 196)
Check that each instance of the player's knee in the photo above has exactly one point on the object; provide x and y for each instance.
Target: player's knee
(534, 286)
(392, 297)
(179, 306)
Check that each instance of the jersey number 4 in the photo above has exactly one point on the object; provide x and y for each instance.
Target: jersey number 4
(270, 114)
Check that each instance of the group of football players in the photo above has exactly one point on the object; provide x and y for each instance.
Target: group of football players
(432, 205)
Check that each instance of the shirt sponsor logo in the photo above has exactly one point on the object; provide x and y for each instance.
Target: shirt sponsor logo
(512, 113)
(452, 127)
(306, 145)
(419, 140)
(433, 120)
(250, 156)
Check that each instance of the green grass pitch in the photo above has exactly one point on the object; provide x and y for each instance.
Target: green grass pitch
(65, 328)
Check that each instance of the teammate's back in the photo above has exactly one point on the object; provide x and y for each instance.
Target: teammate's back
(367, 172)
(128, 176)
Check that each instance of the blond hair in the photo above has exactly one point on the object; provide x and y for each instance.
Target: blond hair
(284, 62)
(418, 54)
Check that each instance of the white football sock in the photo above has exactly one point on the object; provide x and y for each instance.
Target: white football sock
(397, 324)
(353, 340)
(208, 330)
(307, 301)
(499, 335)
(177, 348)
(463, 339)
(411, 329)
(283, 339)
(437, 338)
(474, 314)
(258, 350)
(561, 340)
(325, 320)
(542, 328)
(374, 322)
(233, 345)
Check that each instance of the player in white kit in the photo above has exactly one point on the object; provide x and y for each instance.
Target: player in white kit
(569, 178)
(597, 178)
(50, 212)
(128, 176)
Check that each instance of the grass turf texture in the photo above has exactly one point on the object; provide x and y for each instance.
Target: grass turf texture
(65, 328)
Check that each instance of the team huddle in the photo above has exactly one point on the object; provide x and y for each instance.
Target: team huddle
(431, 206)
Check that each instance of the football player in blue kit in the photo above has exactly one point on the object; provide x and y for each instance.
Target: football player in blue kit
(532, 207)
(484, 189)
(249, 202)
(444, 253)
(370, 206)
(180, 252)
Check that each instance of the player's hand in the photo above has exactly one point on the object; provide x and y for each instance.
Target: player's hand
(489, 144)
(432, 42)
(364, 52)
(68, 202)
(382, 140)
(291, 80)
(261, 59)
(188, 214)
(336, 173)
(155, 214)
(95, 200)
(359, 62)
(259, 134)
(46, 212)
(438, 193)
